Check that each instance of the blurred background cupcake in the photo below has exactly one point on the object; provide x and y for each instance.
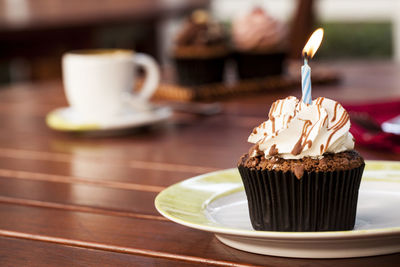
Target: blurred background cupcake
(260, 45)
(200, 50)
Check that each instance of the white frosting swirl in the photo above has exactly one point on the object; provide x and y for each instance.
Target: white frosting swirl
(296, 130)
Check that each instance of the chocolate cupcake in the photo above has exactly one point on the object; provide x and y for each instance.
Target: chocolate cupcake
(259, 43)
(200, 51)
(303, 173)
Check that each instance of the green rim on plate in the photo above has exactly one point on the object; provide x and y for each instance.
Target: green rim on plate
(56, 122)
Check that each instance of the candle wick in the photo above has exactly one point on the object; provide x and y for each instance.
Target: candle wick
(305, 58)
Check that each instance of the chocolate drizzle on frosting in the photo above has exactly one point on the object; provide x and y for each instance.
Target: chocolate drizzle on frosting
(340, 124)
(271, 117)
(295, 130)
(273, 150)
(299, 146)
(319, 100)
(334, 114)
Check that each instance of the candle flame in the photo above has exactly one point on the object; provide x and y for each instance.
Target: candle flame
(313, 43)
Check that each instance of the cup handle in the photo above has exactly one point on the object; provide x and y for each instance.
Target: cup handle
(152, 79)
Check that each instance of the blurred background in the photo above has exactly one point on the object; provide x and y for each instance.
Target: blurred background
(35, 33)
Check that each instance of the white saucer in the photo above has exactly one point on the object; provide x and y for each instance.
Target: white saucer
(66, 119)
(216, 202)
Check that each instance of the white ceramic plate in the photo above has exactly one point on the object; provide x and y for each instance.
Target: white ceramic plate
(66, 119)
(216, 202)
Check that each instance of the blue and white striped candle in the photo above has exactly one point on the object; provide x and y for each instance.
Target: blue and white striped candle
(306, 82)
(308, 52)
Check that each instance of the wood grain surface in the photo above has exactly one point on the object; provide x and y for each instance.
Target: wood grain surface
(77, 200)
(20, 252)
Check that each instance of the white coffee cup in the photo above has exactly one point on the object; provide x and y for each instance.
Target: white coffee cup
(99, 83)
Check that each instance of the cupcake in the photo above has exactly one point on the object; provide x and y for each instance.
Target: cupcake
(302, 173)
(200, 51)
(259, 43)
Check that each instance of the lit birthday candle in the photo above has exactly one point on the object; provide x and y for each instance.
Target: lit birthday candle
(308, 52)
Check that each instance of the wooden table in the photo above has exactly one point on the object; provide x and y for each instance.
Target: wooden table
(68, 200)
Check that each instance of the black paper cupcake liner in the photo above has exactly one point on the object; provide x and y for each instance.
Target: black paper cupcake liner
(319, 201)
(259, 65)
(193, 72)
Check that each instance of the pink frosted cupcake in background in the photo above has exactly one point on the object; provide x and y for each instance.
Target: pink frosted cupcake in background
(259, 44)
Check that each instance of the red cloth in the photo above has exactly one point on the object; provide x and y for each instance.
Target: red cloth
(379, 112)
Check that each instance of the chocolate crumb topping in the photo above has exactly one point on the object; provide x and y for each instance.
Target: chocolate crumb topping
(330, 162)
(298, 170)
(254, 149)
(200, 31)
(273, 150)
